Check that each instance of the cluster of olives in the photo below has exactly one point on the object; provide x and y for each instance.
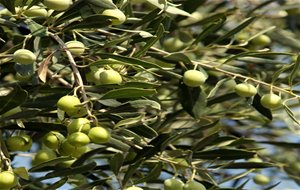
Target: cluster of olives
(176, 184)
(270, 101)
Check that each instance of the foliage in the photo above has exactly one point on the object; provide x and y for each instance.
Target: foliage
(158, 127)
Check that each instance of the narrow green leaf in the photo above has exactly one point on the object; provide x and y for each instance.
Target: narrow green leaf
(291, 114)
(261, 109)
(130, 171)
(53, 162)
(205, 141)
(130, 121)
(152, 175)
(150, 42)
(94, 21)
(36, 29)
(193, 100)
(272, 186)
(57, 184)
(282, 144)
(9, 4)
(237, 176)
(71, 171)
(5, 22)
(91, 185)
(128, 93)
(106, 4)
(222, 98)
(144, 103)
(155, 146)
(212, 28)
(295, 70)
(126, 60)
(116, 162)
(224, 154)
(15, 97)
(235, 30)
(144, 130)
(244, 165)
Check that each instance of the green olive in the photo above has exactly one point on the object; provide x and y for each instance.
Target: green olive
(78, 139)
(19, 143)
(66, 148)
(261, 179)
(194, 185)
(193, 78)
(68, 104)
(75, 47)
(58, 5)
(79, 124)
(134, 188)
(120, 17)
(80, 151)
(245, 90)
(53, 139)
(110, 77)
(35, 11)
(262, 40)
(173, 184)
(43, 155)
(24, 56)
(173, 44)
(271, 101)
(8, 180)
(99, 135)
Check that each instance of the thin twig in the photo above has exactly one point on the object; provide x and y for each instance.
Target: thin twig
(78, 78)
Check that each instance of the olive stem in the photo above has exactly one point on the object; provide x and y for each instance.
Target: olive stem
(77, 75)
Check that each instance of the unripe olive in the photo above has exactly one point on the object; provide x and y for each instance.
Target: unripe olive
(194, 185)
(94, 75)
(8, 180)
(19, 143)
(120, 17)
(271, 101)
(242, 36)
(35, 11)
(53, 140)
(262, 40)
(68, 104)
(66, 148)
(75, 47)
(258, 160)
(173, 44)
(24, 56)
(58, 5)
(173, 184)
(78, 113)
(99, 135)
(261, 179)
(193, 78)
(134, 188)
(43, 155)
(79, 124)
(110, 77)
(245, 90)
(78, 139)
(80, 151)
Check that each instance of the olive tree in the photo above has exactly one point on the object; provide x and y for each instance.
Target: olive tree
(149, 94)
